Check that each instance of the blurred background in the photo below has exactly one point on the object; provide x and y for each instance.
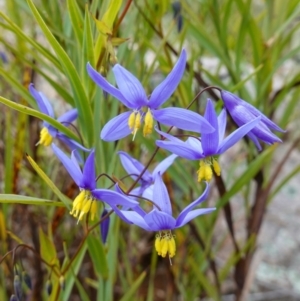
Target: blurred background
(249, 248)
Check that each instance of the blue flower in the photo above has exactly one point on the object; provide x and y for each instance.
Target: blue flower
(242, 112)
(48, 132)
(144, 110)
(86, 181)
(160, 218)
(134, 168)
(209, 145)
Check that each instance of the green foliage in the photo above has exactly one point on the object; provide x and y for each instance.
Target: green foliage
(249, 44)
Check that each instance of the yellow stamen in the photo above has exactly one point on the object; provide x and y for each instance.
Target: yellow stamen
(158, 244)
(201, 172)
(208, 172)
(216, 167)
(83, 204)
(131, 120)
(148, 123)
(134, 122)
(45, 137)
(93, 210)
(164, 244)
(204, 172)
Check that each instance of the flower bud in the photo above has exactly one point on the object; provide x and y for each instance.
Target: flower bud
(49, 287)
(13, 298)
(62, 282)
(18, 287)
(104, 226)
(26, 278)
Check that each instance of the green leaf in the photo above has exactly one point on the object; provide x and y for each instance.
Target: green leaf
(134, 287)
(18, 31)
(98, 256)
(21, 199)
(67, 202)
(111, 13)
(76, 19)
(70, 275)
(47, 249)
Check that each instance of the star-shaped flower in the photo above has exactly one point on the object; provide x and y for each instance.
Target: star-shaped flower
(87, 199)
(209, 145)
(134, 168)
(48, 132)
(242, 112)
(143, 110)
(160, 218)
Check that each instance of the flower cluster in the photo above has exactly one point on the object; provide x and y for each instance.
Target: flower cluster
(209, 142)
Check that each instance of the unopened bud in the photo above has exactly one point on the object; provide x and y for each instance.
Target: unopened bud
(18, 287)
(49, 287)
(13, 298)
(27, 279)
(104, 226)
(62, 282)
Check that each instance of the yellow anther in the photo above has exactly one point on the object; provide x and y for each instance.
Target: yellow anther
(201, 172)
(83, 204)
(45, 137)
(158, 244)
(204, 172)
(77, 204)
(93, 210)
(131, 121)
(208, 172)
(164, 247)
(148, 123)
(171, 247)
(216, 167)
(85, 208)
(165, 244)
(134, 122)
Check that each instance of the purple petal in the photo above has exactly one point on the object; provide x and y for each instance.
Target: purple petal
(132, 217)
(168, 136)
(230, 100)
(237, 135)
(163, 165)
(113, 198)
(195, 144)
(105, 85)
(68, 164)
(72, 144)
(158, 220)
(161, 195)
(130, 87)
(89, 175)
(191, 206)
(68, 117)
(183, 119)
(255, 141)
(222, 121)
(192, 214)
(133, 166)
(210, 142)
(42, 102)
(167, 87)
(74, 156)
(181, 149)
(264, 134)
(148, 192)
(117, 128)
